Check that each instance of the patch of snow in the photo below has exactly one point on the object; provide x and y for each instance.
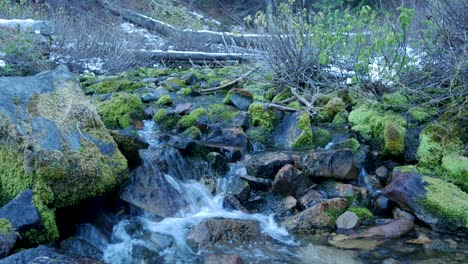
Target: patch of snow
(2, 64)
(94, 64)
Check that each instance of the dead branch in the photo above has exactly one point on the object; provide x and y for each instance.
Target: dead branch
(229, 84)
(280, 107)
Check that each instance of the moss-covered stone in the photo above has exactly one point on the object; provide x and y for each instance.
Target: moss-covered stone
(261, 116)
(191, 119)
(438, 154)
(164, 100)
(394, 139)
(396, 100)
(220, 112)
(350, 143)
(173, 83)
(117, 111)
(341, 118)
(363, 213)
(241, 92)
(306, 138)
(165, 120)
(5, 226)
(331, 108)
(283, 95)
(446, 201)
(192, 132)
(295, 105)
(321, 137)
(112, 85)
(185, 91)
(419, 114)
(259, 134)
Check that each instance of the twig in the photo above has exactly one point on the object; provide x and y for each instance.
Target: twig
(280, 107)
(229, 84)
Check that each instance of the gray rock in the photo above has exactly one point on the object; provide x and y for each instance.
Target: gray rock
(183, 108)
(7, 242)
(267, 164)
(337, 164)
(231, 202)
(223, 231)
(241, 99)
(129, 145)
(382, 205)
(223, 259)
(22, 212)
(392, 229)
(257, 183)
(398, 213)
(45, 255)
(315, 217)
(381, 173)
(310, 198)
(348, 220)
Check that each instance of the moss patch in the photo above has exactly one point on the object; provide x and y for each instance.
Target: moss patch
(306, 138)
(419, 114)
(363, 213)
(341, 118)
(192, 132)
(396, 100)
(331, 108)
(164, 100)
(112, 85)
(350, 143)
(5, 226)
(164, 120)
(117, 112)
(321, 137)
(259, 134)
(261, 116)
(191, 119)
(446, 201)
(394, 139)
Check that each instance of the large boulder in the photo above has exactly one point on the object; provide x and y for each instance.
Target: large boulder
(223, 231)
(439, 204)
(53, 141)
(338, 164)
(319, 216)
(289, 181)
(21, 212)
(46, 255)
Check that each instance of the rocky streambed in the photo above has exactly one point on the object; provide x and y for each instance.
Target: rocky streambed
(221, 177)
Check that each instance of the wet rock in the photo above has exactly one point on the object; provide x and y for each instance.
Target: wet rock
(421, 239)
(223, 231)
(129, 145)
(189, 78)
(289, 132)
(348, 220)
(223, 259)
(217, 162)
(288, 204)
(267, 164)
(381, 173)
(257, 183)
(327, 255)
(46, 255)
(393, 229)
(289, 181)
(183, 108)
(7, 242)
(228, 136)
(310, 198)
(238, 187)
(231, 202)
(240, 120)
(400, 214)
(315, 217)
(333, 189)
(382, 205)
(338, 164)
(22, 212)
(439, 204)
(345, 242)
(240, 98)
(147, 94)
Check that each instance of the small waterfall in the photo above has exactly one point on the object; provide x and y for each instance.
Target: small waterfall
(364, 180)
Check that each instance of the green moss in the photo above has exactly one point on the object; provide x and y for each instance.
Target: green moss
(185, 91)
(283, 95)
(333, 106)
(363, 213)
(394, 139)
(446, 201)
(259, 134)
(148, 72)
(362, 119)
(164, 100)
(219, 113)
(321, 137)
(295, 105)
(396, 100)
(439, 144)
(261, 116)
(419, 114)
(190, 120)
(173, 83)
(305, 140)
(192, 132)
(5, 226)
(303, 121)
(164, 120)
(112, 85)
(350, 143)
(117, 111)
(341, 118)
(334, 213)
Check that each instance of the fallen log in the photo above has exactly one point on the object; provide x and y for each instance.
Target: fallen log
(172, 55)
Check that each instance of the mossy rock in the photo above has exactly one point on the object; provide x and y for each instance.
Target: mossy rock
(192, 132)
(164, 100)
(5, 226)
(439, 154)
(192, 118)
(120, 110)
(331, 108)
(341, 118)
(283, 95)
(262, 116)
(64, 152)
(173, 83)
(350, 143)
(259, 134)
(447, 202)
(396, 100)
(321, 137)
(165, 120)
(112, 85)
(419, 114)
(306, 138)
(221, 113)
(384, 130)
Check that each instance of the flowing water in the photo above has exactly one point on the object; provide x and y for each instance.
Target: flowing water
(176, 191)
